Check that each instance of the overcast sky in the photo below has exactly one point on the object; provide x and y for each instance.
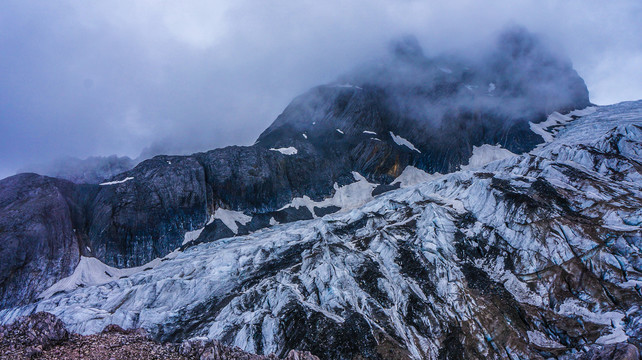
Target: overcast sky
(84, 78)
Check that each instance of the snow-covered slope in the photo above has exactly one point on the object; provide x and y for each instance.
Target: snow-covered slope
(532, 256)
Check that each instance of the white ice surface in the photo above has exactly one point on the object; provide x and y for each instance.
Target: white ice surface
(91, 272)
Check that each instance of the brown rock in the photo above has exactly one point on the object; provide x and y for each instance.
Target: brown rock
(300, 355)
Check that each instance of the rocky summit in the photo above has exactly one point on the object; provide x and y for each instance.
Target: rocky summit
(418, 208)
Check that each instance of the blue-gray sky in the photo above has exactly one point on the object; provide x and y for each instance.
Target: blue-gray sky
(82, 78)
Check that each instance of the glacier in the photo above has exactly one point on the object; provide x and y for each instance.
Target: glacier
(531, 256)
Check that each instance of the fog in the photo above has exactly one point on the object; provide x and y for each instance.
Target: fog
(89, 78)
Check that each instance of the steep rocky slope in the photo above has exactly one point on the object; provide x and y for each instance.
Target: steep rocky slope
(532, 256)
(362, 132)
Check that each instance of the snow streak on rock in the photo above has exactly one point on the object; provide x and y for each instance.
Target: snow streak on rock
(117, 182)
(286, 151)
(403, 142)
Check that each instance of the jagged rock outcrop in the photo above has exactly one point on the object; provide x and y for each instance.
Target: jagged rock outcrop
(409, 110)
(532, 256)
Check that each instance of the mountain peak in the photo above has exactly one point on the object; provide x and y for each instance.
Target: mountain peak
(406, 47)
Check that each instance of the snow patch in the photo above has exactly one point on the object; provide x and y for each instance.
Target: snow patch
(573, 307)
(413, 176)
(485, 154)
(617, 336)
(91, 271)
(230, 218)
(286, 151)
(305, 136)
(117, 181)
(369, 132)
(192, 235)
(345, 197)
(554, 119)
(539, 339)
(491, 87)
(403, 142)
(339, 130)
(445, 70)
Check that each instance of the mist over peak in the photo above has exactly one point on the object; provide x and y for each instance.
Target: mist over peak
(516, 77)
(406, 47)
(88, 79)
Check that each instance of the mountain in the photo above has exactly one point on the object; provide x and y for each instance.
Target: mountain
(336, 232)
(325, 148)
(531, 256)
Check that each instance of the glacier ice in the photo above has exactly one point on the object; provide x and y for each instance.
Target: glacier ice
(528, 254)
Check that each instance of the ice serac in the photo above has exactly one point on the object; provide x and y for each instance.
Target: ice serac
(531, 256)
(426, 118)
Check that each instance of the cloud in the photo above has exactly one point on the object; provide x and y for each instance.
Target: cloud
(86, 78)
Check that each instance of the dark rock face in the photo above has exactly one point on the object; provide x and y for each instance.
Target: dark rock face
(133, 222)
(38, 241)
(408, 110)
